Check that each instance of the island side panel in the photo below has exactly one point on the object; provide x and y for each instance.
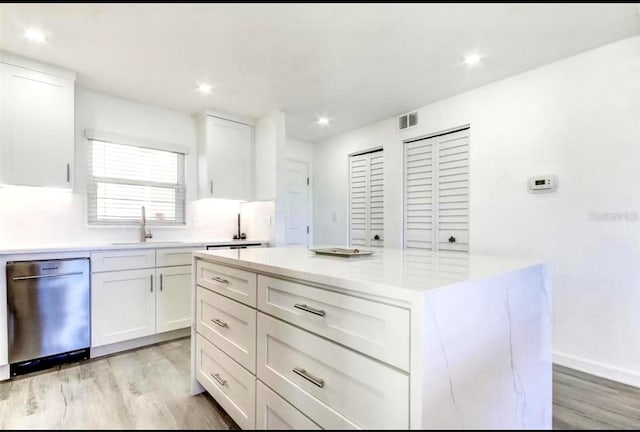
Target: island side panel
(487, 353)
(196, 387)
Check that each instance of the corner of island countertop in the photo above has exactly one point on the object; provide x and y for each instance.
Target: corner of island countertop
(406, 272)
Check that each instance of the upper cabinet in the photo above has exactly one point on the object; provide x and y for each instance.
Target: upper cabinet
(225, 165)
(36, 124)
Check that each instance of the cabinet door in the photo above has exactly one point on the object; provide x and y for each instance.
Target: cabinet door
(173, 298)
(36, 128)
(228, 159)
(123, 306)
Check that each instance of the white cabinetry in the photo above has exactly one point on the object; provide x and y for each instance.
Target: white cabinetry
(132, 298)
(225, 159)
(123, 306)
(173, 298)
(36, 124)
(318, 358)
(229, 383)
(275, 413)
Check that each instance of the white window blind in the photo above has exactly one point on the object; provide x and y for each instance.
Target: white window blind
(366, 199)
(436, 192)
(123, 178)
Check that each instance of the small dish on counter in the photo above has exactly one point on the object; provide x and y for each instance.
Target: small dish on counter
(343, 252)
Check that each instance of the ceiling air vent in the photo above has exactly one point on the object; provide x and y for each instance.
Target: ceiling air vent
(408, 120)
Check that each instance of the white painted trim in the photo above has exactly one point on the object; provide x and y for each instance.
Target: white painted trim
(139, 342)
(602, 370)
(369, 150)
(232, 117)
(36, 66)
(92, 134)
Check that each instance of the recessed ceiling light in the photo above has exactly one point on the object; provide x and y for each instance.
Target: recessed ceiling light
(323, 121)
(204, 88)
(34, 35)
(472, 59)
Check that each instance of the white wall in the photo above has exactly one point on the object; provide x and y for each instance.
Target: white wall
(37, 215)
(578, 118)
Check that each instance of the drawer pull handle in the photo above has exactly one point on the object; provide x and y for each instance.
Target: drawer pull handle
(220, 380)
(219, 279)
(220, 323)
(306, 375)
(309, 309)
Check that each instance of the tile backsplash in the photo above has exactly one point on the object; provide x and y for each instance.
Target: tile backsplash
(36, 216)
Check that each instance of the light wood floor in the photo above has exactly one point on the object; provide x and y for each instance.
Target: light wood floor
(149, 389)
(143, 389)
(582, 401)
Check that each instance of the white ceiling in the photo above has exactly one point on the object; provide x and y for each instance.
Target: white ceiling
(355, 63)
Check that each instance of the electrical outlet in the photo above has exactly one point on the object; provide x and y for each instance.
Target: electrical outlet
(334, 216)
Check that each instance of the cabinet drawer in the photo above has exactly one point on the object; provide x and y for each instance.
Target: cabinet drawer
(174, 257)
(334, 386)
(231, 326)
(229, 383)
(237, 284)
(123, 260)
(376, 329)
(275, 413)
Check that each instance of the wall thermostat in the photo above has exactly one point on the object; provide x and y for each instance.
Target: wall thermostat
(544, 183)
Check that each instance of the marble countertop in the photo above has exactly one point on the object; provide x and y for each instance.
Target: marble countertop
(76, 247)
(393, 273)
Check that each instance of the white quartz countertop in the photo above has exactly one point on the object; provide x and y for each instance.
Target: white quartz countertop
(393, 273)
(76, 247)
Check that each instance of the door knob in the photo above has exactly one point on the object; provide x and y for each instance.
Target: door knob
(452, 239)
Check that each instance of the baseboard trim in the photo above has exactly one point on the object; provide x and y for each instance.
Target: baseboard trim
(137, 343)
(602, 370)
(4, 372)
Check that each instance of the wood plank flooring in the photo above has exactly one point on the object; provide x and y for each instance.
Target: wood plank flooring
(148, 388)
(583, 401)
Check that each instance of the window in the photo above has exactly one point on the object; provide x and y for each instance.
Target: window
(123, 178)
(436, 192)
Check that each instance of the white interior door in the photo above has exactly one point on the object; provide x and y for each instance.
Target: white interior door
(366, 199)
(358, 200)
(296, 199)
(436, 192)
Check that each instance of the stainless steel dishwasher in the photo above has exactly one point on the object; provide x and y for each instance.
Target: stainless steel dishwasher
(49, 312)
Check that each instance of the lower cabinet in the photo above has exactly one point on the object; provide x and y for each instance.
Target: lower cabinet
(267, 373)
(173, 298)
(232, 386)
(131, 304)
(123, 306)
(336, 387)
(275, 413)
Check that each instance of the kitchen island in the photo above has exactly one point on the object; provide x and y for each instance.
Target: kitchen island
(282, 338)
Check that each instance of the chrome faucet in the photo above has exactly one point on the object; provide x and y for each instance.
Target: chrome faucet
(145, 233)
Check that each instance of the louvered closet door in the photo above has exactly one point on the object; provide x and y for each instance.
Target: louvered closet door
(453, 191)
(359, 199)
(376, 199)
(418, 199)
(436, 201)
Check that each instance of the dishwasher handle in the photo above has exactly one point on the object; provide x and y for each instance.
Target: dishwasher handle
(18, 278)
